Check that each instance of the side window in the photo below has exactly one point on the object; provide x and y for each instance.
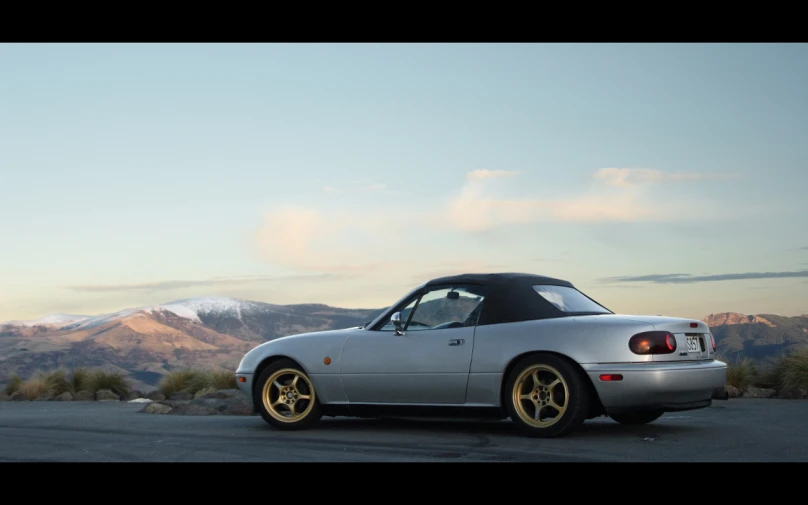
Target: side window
(445, 307)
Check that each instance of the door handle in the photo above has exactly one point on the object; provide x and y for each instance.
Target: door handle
(457, 341)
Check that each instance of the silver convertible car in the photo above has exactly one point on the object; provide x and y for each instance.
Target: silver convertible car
(526, 347)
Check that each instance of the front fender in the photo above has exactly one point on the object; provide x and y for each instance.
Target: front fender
(318, 354)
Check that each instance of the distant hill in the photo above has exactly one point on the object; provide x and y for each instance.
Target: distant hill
(148, 342)
(762, 337)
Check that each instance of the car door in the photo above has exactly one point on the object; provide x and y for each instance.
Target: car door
(426, 363)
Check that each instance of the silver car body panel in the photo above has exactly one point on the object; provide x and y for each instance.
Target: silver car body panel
(466, 366)
(416, 367)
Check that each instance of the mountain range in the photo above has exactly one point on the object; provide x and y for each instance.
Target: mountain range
(148, 342)
(762, 337)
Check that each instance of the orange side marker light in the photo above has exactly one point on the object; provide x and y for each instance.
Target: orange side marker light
(327, 360)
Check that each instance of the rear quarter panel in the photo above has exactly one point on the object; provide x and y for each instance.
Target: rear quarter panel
(584, 340)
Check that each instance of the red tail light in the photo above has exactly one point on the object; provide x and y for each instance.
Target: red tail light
(653, 342)
(712, 341)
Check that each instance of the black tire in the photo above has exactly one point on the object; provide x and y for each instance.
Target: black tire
(637, 418)
(571, 382)
(308, 410)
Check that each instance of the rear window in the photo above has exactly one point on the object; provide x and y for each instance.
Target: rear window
(569, 300)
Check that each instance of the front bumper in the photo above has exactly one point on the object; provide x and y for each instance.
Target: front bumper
(655, 385)
(245, 384)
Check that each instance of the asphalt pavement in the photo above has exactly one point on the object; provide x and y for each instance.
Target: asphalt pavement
(734, 430)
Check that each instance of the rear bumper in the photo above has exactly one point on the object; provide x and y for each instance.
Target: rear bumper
(653, 385)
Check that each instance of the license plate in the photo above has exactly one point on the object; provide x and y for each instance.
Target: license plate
(693, 344)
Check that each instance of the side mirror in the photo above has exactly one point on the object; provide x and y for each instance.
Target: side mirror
(396, 320)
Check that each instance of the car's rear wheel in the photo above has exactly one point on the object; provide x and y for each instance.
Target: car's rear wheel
(635, 418)
(546, 396)
(285, 397)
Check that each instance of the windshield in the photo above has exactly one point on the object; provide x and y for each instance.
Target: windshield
(569, 300)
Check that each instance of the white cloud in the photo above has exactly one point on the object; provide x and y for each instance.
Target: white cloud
(287, 234)
(477, 175)
(392, 238)
(306, 239)
(603, 206)
(624, 177)
(614, 195)
(476, 207)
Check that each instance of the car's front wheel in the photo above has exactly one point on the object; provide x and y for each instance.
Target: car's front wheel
(285, 397)
(546, 396)
(636, 418)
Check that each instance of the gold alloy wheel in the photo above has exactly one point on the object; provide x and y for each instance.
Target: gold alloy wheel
(540, 395)
(288, 395)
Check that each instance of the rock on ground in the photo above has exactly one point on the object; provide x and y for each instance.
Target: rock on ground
(17, 397)
(105, 395)
(84, 396)
(156, 396)
(204, 391)
(156, 408)
(222, 402)
(759, 393)
(67, 396)
(47, 397)
(226, 394)
(134, 395)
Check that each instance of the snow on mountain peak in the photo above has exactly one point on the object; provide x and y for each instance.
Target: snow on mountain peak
(92, 321)
(193, 307)
(190, 308)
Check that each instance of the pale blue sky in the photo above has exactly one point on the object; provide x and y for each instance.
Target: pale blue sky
(344, 174)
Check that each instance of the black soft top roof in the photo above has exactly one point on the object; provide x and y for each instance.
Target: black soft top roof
(509, 297)
(500, 280)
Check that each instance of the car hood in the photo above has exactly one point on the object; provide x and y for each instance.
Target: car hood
(312, 334)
